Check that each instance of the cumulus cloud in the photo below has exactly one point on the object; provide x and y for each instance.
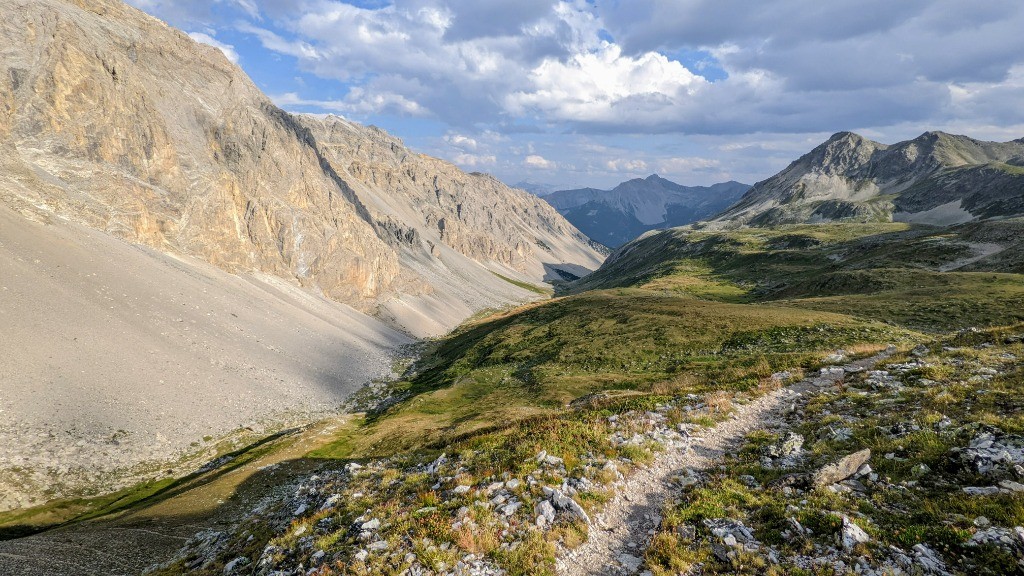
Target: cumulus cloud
(227, 49)
(620, 165)
(602, 85)
(538, 161)
(474, 160)
(356, 102)
(461, 142)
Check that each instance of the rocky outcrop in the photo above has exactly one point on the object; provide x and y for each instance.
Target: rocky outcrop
(121, 123)
(842, 469)
(936, 178)
(428, 202)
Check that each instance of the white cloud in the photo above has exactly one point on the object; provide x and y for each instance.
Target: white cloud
(227, 49)
(602, 84)
(676, 165)
(538, 161)
(356, 102)
(474, 160)
(292, 99)
(461, 142)
(300, 49)
(620, 165)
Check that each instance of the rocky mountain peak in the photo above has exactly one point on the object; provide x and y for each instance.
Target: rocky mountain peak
(851, 177)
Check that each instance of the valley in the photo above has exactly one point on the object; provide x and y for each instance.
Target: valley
(237, 339)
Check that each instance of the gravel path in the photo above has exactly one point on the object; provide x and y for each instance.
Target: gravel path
(622, 530)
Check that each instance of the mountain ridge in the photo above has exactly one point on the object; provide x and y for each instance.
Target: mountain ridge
(851, 178)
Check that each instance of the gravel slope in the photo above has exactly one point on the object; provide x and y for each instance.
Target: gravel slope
(113, 356)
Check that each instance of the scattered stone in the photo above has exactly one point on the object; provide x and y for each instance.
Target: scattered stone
(1005, 538)
(545, 513)
(629, 562)
(981, 490)
(852, 534)
(929, 560)
(238, 563)
(841, 470)
(1012, 486)
(567, 504)
(378, 546)
(686, 532)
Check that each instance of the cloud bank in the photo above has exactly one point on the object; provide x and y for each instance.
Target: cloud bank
(658, 84)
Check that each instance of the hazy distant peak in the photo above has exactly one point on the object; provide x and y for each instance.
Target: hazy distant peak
(616, 216)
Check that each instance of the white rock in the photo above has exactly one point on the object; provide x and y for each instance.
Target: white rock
(629, 562)
(853, 534)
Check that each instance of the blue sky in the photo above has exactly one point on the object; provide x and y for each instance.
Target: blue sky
(581, 93)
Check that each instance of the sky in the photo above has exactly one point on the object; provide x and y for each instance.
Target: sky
(573, 93)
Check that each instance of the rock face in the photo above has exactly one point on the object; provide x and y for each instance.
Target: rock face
(442, 221)
(112, 119)
(936, 178)
(614, 217)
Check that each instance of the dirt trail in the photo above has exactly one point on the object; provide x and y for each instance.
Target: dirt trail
(622, 530)
(127, 543)
(981, 251)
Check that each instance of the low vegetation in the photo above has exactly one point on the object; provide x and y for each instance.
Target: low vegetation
(921, 278)
(935, 490)
(536, 360)
(451, 467)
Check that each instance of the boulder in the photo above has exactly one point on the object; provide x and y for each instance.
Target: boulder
(852, 534)
(846, 466)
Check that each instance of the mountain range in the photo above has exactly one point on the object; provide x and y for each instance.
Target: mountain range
(936, 178)
(614, 217)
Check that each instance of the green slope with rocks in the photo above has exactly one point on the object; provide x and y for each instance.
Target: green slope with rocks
(526, 438)
(518, 438)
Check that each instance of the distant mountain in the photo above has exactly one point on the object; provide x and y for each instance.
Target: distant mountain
(614, 217)
(535, 188)
(936, 178)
